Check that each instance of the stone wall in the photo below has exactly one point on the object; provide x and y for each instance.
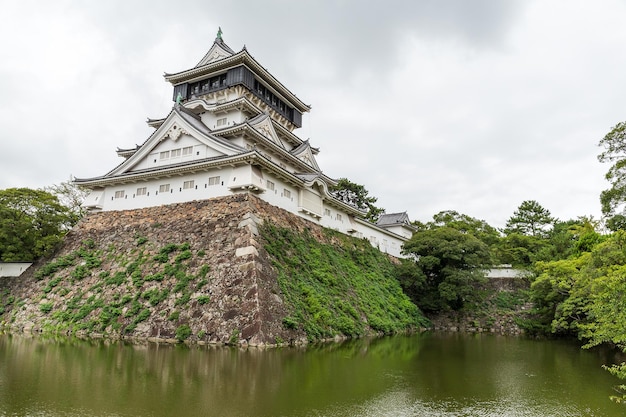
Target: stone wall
(218, 235)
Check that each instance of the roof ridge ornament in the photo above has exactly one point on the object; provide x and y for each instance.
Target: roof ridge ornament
(219, 34)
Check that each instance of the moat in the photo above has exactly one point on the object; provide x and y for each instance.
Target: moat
(418, 375)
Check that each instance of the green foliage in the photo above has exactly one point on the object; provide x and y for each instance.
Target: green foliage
(117, 279)
(52, 267)
(186, 254)
(614, 144)
(174, 316)
(203, 299)
(32, 223)
(356, 196)
(337, 289)
(530, 219)
(45, 307)
(183, 332)
(446, 264)
(480, 229)
(155, 296)
(234, 338)
(80, 272)
(71, 196)
(620, 372)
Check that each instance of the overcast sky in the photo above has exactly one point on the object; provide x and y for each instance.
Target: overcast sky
(473, 106)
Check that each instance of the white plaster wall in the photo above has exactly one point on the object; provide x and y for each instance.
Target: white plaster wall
(230, 177)
(13, 269)
(232, 117)
(177, 194)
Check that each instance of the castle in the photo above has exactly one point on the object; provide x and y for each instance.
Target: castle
(231, 131)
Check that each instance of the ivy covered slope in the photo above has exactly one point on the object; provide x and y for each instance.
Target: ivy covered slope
(338, 285)
(230, 270)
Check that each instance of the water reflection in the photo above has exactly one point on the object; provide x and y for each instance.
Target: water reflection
(421, 375)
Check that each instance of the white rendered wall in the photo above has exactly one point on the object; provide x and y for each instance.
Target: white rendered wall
(13, 269)
(278, 193)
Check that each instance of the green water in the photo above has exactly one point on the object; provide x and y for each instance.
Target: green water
(420, 375)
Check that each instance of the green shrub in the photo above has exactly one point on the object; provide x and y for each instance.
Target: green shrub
(45, 307)
(174, 316)
(183, 300)
(290, 323)
(183, 256)
(204, 270)
(183, 332)
(54, 266)
(203, 299)
(234, 337)
(117, 279)
(80, 272)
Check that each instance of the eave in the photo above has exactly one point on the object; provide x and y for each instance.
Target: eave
(264, 141)
(240, 58)
(165, 172)
(380, 229)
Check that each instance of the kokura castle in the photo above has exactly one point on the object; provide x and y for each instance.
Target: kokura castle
(231, 130)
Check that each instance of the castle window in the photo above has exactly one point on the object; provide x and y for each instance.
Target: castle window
(187, 185)
(142, 191)
(327, 212)
(339, 217)
(164, 155)
(222, 121)
(187, 150)
(214, 180)
(163, 188)
(270, 185)
(175, 153)
(119, 194)
(286, 193)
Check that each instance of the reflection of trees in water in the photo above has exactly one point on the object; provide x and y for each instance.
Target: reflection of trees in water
(68, 376)
(169, 380)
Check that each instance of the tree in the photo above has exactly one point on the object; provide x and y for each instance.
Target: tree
(446, 264)
(70, 195)
(466, 224)
(614, 144)
(530, 219)
(32, 222)
(356, 196)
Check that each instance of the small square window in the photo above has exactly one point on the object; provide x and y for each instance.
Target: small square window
(175, 153)
(339, 217)
(187, 185)
(286, 193)
(214, 180)
(188, 150)
(119, 194)
(327, 212)
(163, 188)
(142, 191)
(222, 121)
(164, 155)
(270, 185)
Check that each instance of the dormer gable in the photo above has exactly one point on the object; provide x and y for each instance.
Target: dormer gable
(218, 51)
(178, 139)
(263, 124)
(306, 154)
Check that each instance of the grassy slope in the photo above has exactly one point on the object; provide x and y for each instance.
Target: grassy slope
(343, 286)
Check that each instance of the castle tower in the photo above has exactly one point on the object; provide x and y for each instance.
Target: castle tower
(230, 130)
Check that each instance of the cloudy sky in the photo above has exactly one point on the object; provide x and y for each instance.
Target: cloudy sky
(433, 105)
